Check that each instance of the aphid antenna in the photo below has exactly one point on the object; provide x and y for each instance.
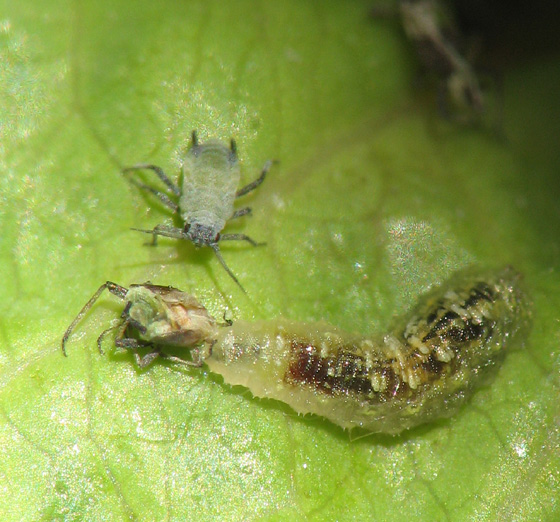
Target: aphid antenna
(114, 288)
(216, 249)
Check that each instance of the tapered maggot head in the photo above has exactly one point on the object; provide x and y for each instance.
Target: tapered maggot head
(165, 315)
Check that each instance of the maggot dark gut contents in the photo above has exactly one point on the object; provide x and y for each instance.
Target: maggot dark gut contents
(425, 368)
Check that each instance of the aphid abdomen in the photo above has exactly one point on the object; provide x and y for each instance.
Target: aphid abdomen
(211, 175)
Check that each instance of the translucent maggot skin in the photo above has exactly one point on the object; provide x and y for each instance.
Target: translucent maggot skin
(211, 174)
(164, 315)
(425, 369)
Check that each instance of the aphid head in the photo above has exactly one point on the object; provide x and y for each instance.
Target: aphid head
(201, 235)
(204, 235)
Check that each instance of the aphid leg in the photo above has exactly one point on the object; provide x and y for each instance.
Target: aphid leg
(241, 212)
(233, 147)
(133, 344)
(194, 138)
(160, 174)
(254, 184)
(162, 196)
(196, 364)
(239, 237)
(146, 360)
(114, 288)
(216, 249)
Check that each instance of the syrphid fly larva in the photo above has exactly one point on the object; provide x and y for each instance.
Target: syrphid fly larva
(154, 316)
(422, 370)
(425, 368)
(210, 176)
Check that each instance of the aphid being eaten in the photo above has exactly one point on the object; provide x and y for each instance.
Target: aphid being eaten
(210, 176)
(154, 316)
(422, 370)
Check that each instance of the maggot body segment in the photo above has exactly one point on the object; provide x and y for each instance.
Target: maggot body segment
(205, 199)
(423, 369)
(154, 316)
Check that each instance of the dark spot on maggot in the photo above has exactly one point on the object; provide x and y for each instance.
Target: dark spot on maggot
(394, 385)
(446, 320)
(469, 332)
(481, 292)
(432, 317)
(433, 365)
(342, 373)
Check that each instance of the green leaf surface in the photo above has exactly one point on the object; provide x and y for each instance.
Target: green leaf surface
(375, 200)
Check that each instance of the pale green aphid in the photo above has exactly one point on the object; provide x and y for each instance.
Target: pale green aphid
(210, 176)
(423, 369)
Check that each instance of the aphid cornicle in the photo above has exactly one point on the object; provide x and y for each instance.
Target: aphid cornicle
(210, 176)
(424, 369)
(154, 316)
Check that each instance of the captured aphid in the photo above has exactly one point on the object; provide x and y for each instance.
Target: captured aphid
(210, 176)
(424, 369)
(154, 316)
